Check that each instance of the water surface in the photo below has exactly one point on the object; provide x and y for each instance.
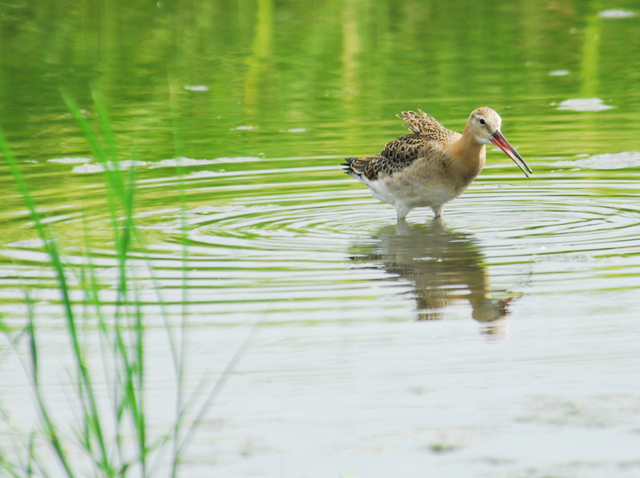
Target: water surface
(500, 341)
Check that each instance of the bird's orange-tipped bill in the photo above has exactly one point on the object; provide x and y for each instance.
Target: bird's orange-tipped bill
(499, 140)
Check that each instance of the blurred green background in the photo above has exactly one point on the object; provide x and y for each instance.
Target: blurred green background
(340, 70)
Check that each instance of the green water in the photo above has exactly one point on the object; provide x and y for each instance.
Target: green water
(508, 334)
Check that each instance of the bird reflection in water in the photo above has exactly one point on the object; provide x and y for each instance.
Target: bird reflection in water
(444, 267)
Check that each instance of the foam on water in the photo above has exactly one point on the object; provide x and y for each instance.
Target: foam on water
(584, 104)
(603, 161)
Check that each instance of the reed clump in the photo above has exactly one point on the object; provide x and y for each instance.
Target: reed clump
(109, 436)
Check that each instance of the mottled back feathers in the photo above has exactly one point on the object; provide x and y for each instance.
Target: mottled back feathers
(398, 154)
(425, 125)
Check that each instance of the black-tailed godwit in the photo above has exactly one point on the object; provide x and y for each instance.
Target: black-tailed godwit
(433, 165)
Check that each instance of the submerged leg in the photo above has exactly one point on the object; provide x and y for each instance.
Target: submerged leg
(437, 210)
(403, 228)
(402, 212)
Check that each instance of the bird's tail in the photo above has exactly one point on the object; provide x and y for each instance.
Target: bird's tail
(356, 166)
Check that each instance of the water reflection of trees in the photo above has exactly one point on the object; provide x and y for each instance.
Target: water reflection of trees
(340, 66)
(444, 267)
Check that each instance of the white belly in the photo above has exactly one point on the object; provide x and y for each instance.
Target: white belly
(411, 192)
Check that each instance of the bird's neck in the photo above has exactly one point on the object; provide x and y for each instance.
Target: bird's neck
(470, 153)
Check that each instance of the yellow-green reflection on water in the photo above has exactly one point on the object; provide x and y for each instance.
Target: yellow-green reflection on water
(268, 98)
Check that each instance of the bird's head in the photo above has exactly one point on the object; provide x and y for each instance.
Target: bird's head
(484, 126)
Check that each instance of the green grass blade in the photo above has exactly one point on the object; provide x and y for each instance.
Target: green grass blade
(30, 455)
(56, 263)
(49, 428)
(7, 467)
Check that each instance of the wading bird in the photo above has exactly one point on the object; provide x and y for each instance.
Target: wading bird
(433, 165)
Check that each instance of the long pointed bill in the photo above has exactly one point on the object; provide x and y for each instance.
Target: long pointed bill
(499, 140)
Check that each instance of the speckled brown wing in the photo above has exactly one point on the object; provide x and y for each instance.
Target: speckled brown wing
(403, 151)
(396, 155)
(427, 127)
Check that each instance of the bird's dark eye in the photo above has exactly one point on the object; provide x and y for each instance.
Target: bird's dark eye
(481, 121)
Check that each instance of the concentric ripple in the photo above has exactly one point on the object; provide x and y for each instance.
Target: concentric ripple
(308, 244)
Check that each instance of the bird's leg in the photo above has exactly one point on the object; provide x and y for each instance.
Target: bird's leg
(402, 212)
(437, 210)
(402, 228)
